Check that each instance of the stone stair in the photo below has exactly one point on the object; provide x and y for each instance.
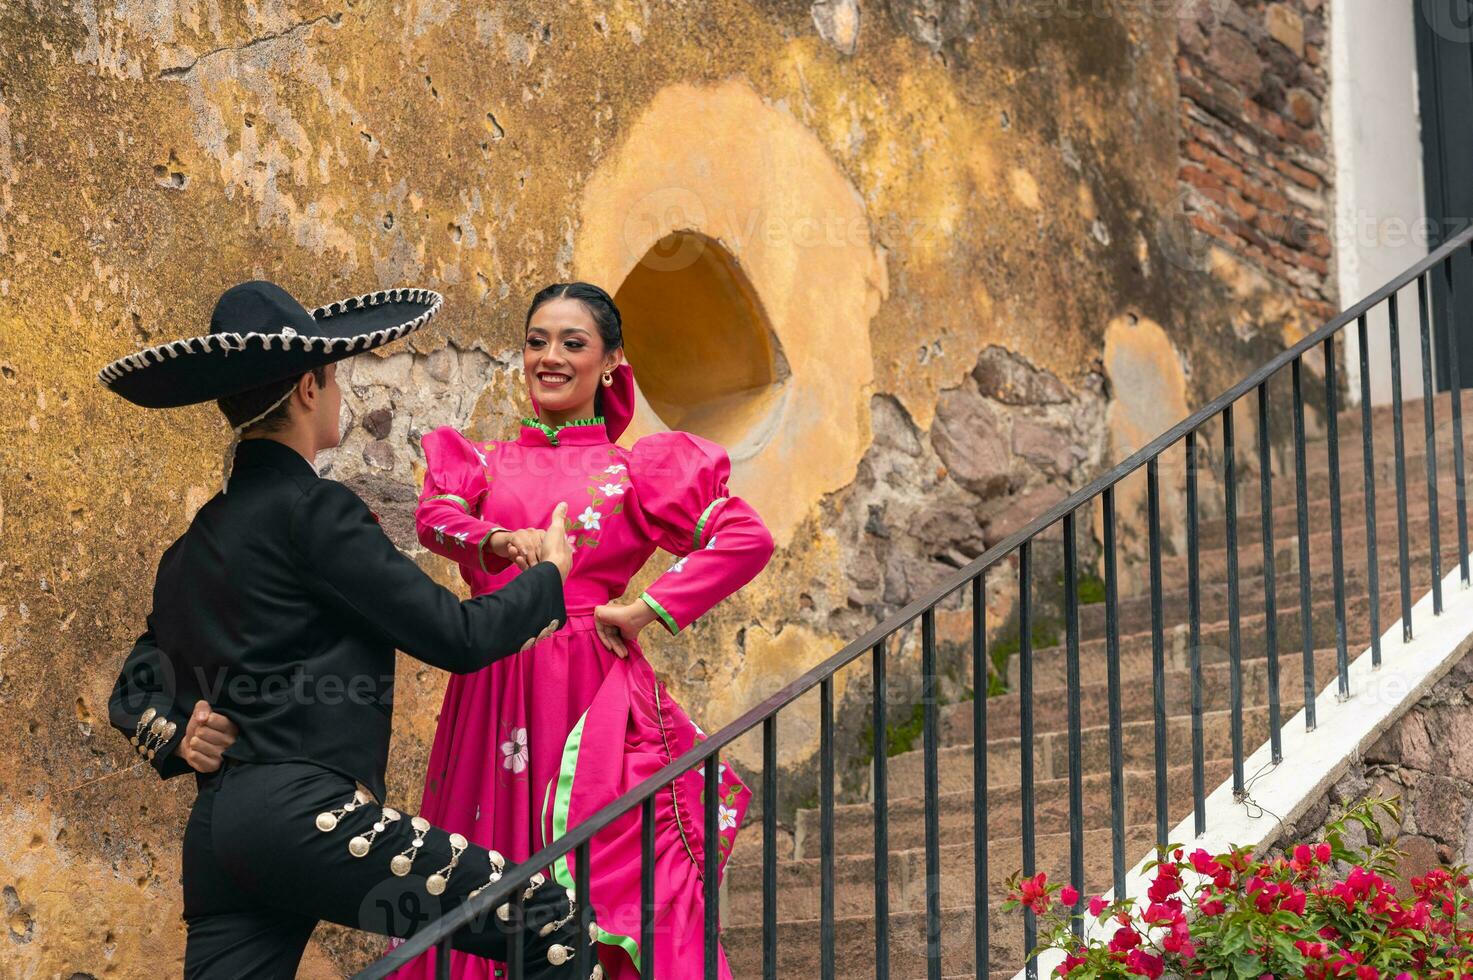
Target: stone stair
(799, 945)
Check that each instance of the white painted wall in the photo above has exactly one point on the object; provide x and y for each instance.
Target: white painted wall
(1380, 206)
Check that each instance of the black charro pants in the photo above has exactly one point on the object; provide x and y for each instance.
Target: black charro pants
(259, 874)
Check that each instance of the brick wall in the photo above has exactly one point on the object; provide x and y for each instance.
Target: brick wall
(1256, 154)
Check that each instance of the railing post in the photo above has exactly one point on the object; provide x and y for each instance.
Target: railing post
(1399, 441)
(880, 748)
(983, 954)
(1194, 638)
(1076, 747)
(647, 875)
(769, 851)
(1270, 587)
(711, 872)
(1235, 636)
(515, 967)
(1368, 458)
(1429, 419)
(1454, 370)
(1158, 652)
(1025, 740)
(826, 824)
(1112, 665)
(583, 952)
(929, 681)
(1337, 546)
(1301, 504)
(442, 959)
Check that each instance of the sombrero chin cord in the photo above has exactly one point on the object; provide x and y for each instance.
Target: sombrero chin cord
(229, 461)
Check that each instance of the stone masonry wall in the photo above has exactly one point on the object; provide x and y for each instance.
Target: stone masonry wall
(1425, 761)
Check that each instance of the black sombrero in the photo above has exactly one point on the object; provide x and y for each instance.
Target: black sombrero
(259, 335)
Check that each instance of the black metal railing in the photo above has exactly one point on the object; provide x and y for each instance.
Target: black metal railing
(880, 642)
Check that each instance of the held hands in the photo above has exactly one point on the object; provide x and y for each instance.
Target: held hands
(522, 548)
(617, 625)
(531, 545)
(206, 738)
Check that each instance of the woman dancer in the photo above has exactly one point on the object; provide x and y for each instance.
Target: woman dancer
(532, 745)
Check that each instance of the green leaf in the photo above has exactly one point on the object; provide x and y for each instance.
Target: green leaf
(1248, 966)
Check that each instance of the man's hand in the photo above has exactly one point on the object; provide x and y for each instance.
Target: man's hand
(206, 738)
(555, 545)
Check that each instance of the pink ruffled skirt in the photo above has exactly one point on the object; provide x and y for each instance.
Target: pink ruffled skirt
(535, 744)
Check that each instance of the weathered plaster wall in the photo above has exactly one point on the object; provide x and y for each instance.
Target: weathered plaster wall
(1005, 178)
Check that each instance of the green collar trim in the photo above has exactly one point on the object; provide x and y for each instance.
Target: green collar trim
(552, 431)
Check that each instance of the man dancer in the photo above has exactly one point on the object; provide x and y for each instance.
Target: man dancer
(280, 608)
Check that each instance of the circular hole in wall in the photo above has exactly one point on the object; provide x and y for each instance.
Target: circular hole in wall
(705, 358)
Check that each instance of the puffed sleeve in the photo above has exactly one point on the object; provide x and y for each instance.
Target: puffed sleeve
(454, 489)
(142, 707)
(720, 543)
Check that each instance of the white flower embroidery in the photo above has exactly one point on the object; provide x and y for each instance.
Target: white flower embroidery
(589, 518)
(480, 455)
(679, 566)
(726, 817)
(712, 543)
(439, 530)
(515, 750)
(612, 489)
(616, 468)
(460, 538)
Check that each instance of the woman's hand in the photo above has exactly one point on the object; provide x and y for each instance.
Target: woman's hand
(206, 738)
(523, 548)
(617, 625)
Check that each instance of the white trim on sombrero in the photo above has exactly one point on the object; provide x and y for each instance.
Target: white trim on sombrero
(288, 335)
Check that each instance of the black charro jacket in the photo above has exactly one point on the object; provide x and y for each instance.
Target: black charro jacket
(282, 605)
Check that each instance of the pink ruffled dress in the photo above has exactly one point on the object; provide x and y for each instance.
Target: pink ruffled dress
(538, 741)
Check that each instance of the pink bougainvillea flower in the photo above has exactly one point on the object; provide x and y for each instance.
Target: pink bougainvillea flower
(1144, 964)
(1033, 893)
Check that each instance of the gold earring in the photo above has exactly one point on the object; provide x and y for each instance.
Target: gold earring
(608, 379)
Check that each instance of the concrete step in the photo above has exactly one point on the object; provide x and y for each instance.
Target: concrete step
(854, 822)
(1383, 440)
(1134, 611)
(799, 887)
(1382, 417)
(1135, 649)
(799, 945)
(1051, 756)
(1317, 506)
(1212, 563)
(1051, 713)
(1352, 507)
